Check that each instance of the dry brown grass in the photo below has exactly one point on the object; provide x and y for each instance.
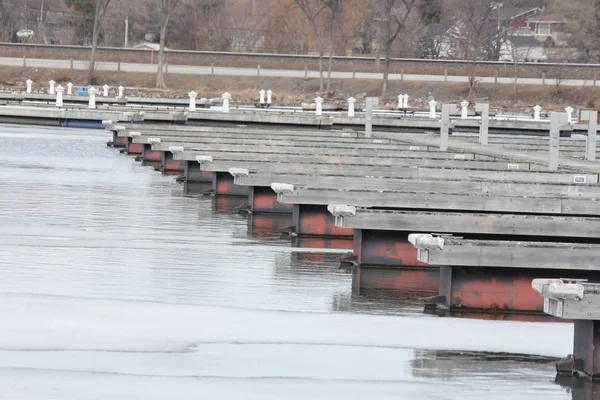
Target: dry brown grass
(294, 91)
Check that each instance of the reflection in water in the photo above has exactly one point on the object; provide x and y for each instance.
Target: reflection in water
(580, 389)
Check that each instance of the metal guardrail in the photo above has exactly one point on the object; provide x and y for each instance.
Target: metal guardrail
(303, 57)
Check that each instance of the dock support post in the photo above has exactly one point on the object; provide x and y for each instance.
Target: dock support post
(121, 90)
(51, 84)
(371, 102)
(578, 300)
(269, 97)
(590, 150)
(69, 88)
(405, 101)
(261, 97)
(554, 141)
(485, 121)
(28, 82)
(445, 127)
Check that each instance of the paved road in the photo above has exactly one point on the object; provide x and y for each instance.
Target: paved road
(285, 73)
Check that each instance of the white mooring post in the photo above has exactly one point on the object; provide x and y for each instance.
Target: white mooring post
(269, 97)
(351, 102)
(464, 111)
(262, 97)
(590, 148)
(400, 100)
(432, 105)
(59, 96)
(105, 87)
(51, 87)
(28, 82)
(569, 110)
(92, 97)
(319, 106)
(536, 112)
(445, 127)
(69, 88)
(226, 96)
(121, 91)
(554, 141)
(485, 121)
(192, 96)
(405, 101)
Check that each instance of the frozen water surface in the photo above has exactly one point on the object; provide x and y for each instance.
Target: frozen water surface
(116, 285)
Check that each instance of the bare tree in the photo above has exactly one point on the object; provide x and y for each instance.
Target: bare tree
(396, 13)
(101, 6)
(312, 9)
(166, 9)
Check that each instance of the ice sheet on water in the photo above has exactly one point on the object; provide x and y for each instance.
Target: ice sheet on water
(62, 323)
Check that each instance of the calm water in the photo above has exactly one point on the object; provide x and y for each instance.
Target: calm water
(117, 285)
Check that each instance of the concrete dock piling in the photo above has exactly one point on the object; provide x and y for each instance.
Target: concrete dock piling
(261, 94)
(370, 103)
(105, 92)
(121, 91)
(579, 300)
(28, 83)
(69, 88)
(405, 101)
(445, 127)
(484, 124)
(554, 142)
(591, 135)
(51, 85)
(269, 97)
(400, 100)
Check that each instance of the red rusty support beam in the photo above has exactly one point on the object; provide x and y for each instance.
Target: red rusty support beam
(193, 173)
(223, 185)
(133, 148)
(316, 220)
(151, 155)
(264, 200)
(169, 164)
(497, 289)
(389, 248)
(118, 141)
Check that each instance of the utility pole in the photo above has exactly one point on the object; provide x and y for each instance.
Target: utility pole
(126, 31)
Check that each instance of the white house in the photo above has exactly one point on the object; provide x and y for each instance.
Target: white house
(522, 49)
